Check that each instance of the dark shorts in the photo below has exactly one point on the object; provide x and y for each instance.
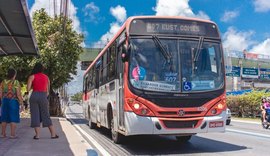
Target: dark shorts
(39, 108)
(10, 110)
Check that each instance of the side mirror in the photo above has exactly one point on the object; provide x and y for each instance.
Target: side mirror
(125, 53)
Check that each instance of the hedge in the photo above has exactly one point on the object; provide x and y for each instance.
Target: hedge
(246, 105)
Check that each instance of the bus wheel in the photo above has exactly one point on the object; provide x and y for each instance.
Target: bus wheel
(116, 137)
(183, 139)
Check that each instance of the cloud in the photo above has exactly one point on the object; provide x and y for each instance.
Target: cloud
(261, 5)
(91, 12)
(229, 16)
(237, 40)
(262, 48)
(177, 8)
(49, 7)
(119, 13)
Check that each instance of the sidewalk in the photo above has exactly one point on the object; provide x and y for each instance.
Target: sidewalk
(70, 142)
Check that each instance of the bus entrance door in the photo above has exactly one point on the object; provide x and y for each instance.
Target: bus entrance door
(97, 94)
(120, 71)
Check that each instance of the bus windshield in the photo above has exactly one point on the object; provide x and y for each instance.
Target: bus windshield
(191, 68)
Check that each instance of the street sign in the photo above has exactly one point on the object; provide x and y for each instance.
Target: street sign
(264, 73)
(234, 72)
(250, 72)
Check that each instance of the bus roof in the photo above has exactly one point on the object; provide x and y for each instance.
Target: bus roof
(126, 26)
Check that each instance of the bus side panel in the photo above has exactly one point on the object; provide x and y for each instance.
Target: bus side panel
(85, 106)
(92, 106)
(107, 97)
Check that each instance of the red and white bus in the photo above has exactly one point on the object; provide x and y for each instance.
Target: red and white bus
(158, 76)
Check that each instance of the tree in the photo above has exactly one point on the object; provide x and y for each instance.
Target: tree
(77, 96)
(59, 47)
(23, 65)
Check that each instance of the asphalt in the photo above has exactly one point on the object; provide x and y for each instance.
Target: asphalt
(69, 143)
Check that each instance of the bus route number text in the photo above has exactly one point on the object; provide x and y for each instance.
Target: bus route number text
(162, 27)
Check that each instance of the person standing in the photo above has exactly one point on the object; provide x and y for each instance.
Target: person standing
(25, 100)
(39, 104)
(10, 93)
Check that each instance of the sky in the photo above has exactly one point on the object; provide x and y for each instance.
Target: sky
(244, 24)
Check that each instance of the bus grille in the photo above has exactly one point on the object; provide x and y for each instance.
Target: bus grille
(176, 113)
(179, 103)
(180, 124)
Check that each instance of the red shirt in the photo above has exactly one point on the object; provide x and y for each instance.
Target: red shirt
(40, 82)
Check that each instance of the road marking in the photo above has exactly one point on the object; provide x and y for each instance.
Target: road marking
(252, 122)
(248, 133)
(95, 143)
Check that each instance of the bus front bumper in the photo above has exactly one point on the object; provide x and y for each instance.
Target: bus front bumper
(139, 125)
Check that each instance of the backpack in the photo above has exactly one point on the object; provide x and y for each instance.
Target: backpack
(9, 89)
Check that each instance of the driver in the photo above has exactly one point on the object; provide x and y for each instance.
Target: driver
(265, 106)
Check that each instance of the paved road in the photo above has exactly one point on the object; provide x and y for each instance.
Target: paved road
(240, 139)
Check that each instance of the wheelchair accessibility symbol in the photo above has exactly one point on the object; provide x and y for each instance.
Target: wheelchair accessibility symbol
(187, 86)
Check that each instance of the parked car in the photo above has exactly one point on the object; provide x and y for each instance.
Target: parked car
(229, 115)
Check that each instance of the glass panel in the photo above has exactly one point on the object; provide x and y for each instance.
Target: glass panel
(150, 70)
(201, 69)
(157, 64)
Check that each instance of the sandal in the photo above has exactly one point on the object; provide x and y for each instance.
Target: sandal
(35, 137)
(3, 136)
(55, 137)
(13, 137)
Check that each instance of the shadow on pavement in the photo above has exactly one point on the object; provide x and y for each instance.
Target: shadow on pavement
(156, 145)
(163, 145)
(26, 145)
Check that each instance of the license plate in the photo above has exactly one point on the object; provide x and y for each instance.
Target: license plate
(216, 124)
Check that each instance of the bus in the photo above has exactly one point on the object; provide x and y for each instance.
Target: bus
(158, 76)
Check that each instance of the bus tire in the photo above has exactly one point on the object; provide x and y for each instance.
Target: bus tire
(116, 136)
(183, 139)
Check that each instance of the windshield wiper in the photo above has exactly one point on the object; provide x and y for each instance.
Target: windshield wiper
(164, 51)
(198, 51)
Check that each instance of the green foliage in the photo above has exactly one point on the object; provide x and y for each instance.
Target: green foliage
(77, 96)
(247, 104)
(59, 47)
(23, 65)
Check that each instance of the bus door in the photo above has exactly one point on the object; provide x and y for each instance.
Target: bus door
(96, 94)
(120, 71)
(85, 99)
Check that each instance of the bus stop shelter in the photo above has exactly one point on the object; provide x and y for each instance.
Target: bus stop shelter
(16, 32)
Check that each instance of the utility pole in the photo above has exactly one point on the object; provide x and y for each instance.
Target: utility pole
(54, 7)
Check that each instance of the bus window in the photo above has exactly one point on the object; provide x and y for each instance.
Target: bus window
(85, 84)
(111, 71)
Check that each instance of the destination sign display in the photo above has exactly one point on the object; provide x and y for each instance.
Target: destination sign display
(173, 26)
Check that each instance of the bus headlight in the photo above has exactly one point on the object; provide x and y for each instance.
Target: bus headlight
(217, 108)
(136, 106)
(139, 108)
(214, 111)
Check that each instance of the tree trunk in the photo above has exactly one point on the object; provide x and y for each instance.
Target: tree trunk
(55, 107)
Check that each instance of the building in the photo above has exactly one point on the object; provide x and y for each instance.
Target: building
(87, 57)
(246, 70)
